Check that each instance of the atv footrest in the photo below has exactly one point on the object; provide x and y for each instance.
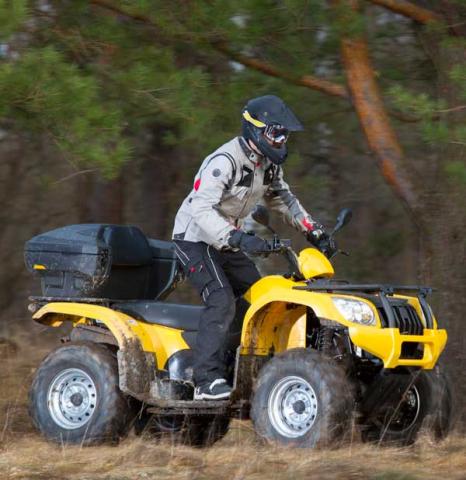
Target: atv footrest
(190, 407)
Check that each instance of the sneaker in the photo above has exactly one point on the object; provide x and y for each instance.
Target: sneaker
(217, 390)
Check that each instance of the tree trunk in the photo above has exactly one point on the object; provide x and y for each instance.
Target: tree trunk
(444, 207)
(436, 202)
(375, 123)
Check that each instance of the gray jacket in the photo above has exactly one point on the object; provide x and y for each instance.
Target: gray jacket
(227, 187)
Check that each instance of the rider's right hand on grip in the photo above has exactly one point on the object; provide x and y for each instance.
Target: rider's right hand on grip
(251, 244)
(328, 246)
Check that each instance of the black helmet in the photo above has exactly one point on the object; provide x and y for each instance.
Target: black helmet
(267, 122)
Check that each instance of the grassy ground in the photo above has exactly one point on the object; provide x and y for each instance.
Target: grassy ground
(25, 455)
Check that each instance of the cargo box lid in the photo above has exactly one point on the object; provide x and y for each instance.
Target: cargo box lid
(78, 239)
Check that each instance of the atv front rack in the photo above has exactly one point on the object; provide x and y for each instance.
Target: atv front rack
(381, 290)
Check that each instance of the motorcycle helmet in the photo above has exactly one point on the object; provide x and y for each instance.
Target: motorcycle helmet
(267, 122)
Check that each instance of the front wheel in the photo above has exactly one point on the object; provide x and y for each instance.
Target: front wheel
(74, 397)
(442, 404)
(399, 423)
(302, 399)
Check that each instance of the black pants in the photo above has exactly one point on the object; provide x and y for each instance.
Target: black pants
(219, 277)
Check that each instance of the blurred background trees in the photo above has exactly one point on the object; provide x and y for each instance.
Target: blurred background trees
(109, 106)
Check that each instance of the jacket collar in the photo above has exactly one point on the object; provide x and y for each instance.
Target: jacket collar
(249, 152)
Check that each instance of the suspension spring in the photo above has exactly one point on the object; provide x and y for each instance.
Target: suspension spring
(325, 341)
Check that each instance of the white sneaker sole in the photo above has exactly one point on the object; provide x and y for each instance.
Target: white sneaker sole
(207, 396)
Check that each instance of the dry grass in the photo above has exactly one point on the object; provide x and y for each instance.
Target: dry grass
(25, 455)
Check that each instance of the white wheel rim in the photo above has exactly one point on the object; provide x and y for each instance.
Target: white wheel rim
(292, 407)
(72, 398)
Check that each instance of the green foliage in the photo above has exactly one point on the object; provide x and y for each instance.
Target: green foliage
(13, 13)
(347, 21)
(457, 171)
(102, 79)
(420, 104)
(424, 107)
(434, 126)
(63, 102)
(458, 76)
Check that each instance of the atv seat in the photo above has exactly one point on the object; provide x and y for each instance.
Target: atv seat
(182, 317)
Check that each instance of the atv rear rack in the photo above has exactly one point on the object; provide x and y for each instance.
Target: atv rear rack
(38, 301)
(382, 290)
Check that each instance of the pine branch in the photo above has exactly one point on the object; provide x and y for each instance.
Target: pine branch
(307, 81)
(109, 5)
(408, 9)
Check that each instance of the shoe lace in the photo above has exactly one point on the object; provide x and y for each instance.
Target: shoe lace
(218, 381)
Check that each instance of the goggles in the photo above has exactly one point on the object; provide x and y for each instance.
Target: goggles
(277, 134)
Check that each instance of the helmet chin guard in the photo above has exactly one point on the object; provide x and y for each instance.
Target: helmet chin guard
(267, 122)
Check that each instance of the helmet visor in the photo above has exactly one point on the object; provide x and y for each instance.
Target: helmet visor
(277, 134)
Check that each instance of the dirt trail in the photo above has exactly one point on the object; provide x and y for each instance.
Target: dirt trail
(25, 455)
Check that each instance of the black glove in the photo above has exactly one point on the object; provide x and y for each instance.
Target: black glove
(327, 245)
(318, 237)
(248, 243)
(315, 233)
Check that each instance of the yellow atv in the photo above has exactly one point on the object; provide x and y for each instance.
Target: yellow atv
(306, 352)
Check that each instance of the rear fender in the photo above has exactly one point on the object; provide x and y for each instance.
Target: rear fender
(136, 366)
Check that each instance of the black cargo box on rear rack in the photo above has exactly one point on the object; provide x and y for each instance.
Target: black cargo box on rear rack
(101, 261)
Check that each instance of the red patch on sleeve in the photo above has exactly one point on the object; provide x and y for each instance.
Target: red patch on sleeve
(197, 184)
(308, 225)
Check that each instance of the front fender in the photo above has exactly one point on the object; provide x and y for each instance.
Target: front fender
(271, 322)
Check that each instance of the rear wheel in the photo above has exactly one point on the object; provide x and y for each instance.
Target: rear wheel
(193, 430)
(158, 425)
(205, 430)
(74, 397)
(302, 399)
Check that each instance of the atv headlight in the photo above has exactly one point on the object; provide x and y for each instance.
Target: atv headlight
(355, 310)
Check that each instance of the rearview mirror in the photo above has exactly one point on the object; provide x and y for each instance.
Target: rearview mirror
(343, 218)
(261, 215)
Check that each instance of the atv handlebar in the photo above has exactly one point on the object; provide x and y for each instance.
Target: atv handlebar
(284, 247)
(276, 245)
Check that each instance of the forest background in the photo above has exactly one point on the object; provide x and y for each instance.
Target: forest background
(109, 106)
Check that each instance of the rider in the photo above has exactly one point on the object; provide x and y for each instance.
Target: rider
(208, 236)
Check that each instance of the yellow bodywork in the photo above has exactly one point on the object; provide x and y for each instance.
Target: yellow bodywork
(159, 340)
(274, 322)
(313, 264)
